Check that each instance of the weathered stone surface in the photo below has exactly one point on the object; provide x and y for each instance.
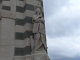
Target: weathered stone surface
(7, 31)
(20, 30)
(19, 58)
(39, 55)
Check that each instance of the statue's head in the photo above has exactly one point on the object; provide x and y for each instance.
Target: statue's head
(38, 10)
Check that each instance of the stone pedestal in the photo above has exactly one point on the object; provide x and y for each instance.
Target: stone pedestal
(28, 57)
(48, 57)
(39, 55)
(19, 58)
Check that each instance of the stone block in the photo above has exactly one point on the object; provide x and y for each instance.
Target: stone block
(7, 31)
(6, 58)
(19, 28)
(6, 51)
(19, 15)
(19, 58)
(39, 55)
(28, 27)
(28, 57)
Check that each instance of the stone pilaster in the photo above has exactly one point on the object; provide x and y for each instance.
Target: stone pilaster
(7, 39)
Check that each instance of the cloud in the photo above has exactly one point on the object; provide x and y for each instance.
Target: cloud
(52, 6)
(63, 29)
(64, 47)
(65, 20)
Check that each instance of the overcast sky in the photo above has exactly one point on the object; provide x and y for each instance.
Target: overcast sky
(63, 29)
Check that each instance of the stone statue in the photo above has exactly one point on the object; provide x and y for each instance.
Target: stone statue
(39, 32)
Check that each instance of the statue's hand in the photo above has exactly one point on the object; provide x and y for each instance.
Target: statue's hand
(42, 20)
(31, 36)
(40, 16)
(39, 19)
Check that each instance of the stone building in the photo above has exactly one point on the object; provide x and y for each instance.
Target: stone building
(16, 28)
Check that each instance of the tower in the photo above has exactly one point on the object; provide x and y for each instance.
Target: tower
(16, 28)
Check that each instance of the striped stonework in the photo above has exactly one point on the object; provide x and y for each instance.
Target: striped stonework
(21, 11)
(8, 8)
(24, 25)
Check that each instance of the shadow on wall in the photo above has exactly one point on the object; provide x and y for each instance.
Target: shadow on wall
(0, 8)
(0, 0)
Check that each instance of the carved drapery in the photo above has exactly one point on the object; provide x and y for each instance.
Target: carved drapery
(38, 32)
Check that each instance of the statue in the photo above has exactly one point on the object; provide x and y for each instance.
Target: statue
(38, 42)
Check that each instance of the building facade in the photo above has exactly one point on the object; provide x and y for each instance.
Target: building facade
(16, 28)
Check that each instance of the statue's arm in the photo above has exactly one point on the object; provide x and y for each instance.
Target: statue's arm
(35, 18)
(42, 20)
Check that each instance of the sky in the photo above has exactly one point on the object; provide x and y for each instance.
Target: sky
(63, 29)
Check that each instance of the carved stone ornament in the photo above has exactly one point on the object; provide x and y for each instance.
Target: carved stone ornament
(38, 43)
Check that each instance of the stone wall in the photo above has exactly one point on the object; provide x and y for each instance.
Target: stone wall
(7, 39)
(16, 28)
